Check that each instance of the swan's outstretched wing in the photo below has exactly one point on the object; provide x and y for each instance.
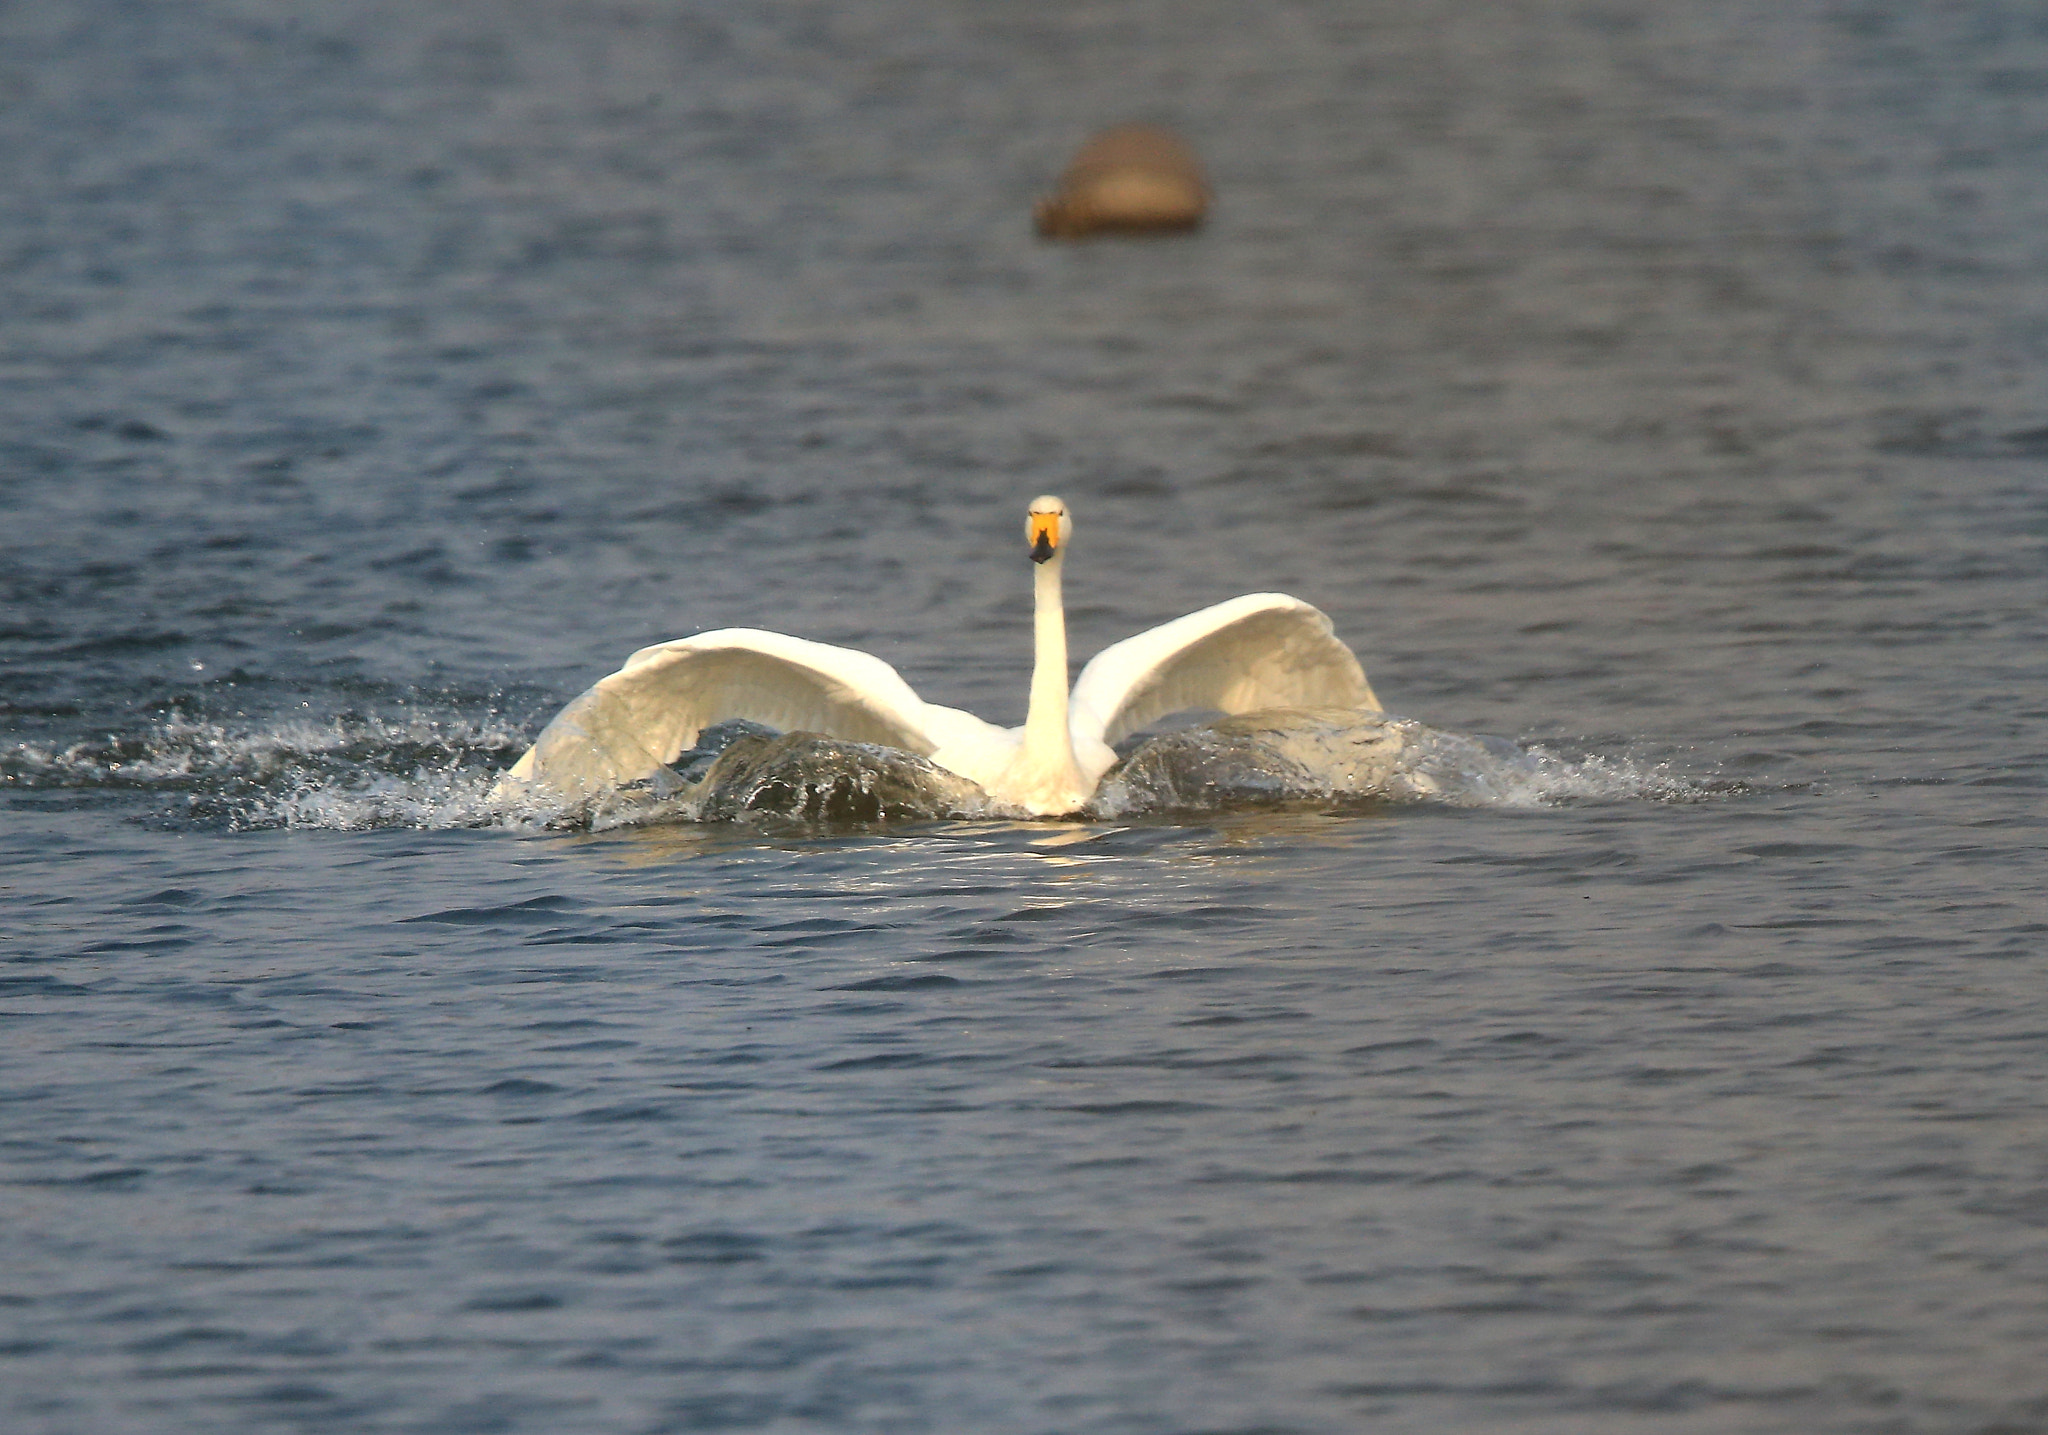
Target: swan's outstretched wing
(1264, 650)
(640, 718)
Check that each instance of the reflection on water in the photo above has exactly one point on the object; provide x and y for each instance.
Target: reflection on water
(1070, 835)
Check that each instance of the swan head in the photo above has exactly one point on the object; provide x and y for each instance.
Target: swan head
(1047, 527)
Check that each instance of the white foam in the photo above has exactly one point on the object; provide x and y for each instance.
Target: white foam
(347, 772)
(426, 800)
(1537, 777)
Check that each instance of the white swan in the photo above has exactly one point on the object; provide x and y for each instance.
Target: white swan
(1264, 650)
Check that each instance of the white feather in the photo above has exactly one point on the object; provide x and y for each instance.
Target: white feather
(1264, 650)
(628, 726)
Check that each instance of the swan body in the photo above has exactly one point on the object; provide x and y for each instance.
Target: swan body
(1263, 650)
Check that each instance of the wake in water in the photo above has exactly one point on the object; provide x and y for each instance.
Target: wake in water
(358, 772)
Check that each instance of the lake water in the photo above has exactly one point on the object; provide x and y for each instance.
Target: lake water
(1662, 387)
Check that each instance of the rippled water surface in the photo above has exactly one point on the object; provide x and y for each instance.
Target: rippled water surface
(1659, 389)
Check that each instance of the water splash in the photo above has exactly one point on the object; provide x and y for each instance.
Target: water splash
(346, 772)
(796, 776)
(1343, 756)
(356, 772)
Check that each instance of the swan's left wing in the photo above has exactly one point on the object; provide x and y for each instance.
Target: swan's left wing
(1264, 650)
(631, 724)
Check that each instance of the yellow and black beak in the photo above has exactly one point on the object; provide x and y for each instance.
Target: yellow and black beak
(1044, 533)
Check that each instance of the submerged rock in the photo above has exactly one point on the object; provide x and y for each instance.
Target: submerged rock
(1133, 179)
(821, 779)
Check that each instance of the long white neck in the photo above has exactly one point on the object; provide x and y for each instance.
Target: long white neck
(1043, 776)
(1045, 724)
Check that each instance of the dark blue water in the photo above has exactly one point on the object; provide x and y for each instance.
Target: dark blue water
(1664, 388)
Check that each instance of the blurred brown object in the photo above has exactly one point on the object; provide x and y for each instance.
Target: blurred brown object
(1133, 179)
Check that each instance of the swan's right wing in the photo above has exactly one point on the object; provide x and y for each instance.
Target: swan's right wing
(631, 724)
(1264, 650)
